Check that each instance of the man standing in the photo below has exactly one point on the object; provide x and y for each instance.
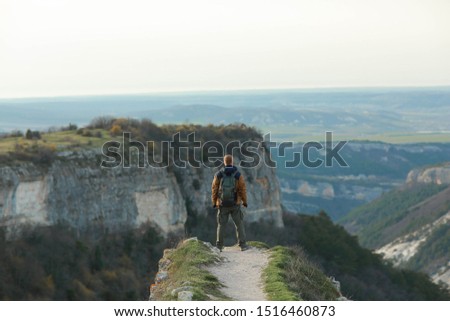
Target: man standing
(228, 193)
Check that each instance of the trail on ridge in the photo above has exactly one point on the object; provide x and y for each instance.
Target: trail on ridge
(241, 273)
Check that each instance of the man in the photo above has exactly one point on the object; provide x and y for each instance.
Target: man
(228, 194)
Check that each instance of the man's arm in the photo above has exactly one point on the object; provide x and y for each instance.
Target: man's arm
(242, 190)
(215, 190)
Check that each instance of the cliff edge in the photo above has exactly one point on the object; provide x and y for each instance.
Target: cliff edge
(196, 270)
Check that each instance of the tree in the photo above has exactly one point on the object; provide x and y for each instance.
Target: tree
(32, 134)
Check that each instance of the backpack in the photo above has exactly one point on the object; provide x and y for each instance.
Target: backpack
(227, 191)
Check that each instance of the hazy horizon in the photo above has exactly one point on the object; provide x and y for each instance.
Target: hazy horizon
(172, 93)
(393, 114)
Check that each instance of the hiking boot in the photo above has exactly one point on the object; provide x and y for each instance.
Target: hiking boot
(243, 246)
(220, 247)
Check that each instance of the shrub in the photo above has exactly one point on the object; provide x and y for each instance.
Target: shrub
(116, 130)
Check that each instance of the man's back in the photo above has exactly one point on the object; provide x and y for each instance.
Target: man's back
(240, 187)
(228, 193)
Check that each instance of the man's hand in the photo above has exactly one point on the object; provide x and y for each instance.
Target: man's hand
(245, 205)
(214, 206)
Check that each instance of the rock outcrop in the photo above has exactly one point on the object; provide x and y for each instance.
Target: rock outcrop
(439, 174)
(75, 190)
(181, 290)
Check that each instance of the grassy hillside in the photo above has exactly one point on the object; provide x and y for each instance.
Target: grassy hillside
(43, 146)
(397, 213)
(363, 275)
(433, 253)
(407, 226)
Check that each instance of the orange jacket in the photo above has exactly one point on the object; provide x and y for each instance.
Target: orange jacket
(241, 190)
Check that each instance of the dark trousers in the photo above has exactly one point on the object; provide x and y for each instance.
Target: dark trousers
(223, 215)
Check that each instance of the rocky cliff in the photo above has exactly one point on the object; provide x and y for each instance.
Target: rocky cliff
(439, 174)
(75, 190)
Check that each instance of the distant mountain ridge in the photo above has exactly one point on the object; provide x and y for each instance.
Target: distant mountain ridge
(285, 112)
(410, 226)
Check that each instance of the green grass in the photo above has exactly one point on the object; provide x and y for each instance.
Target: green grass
(290, 276)
(68, 138)
(186, 265)
(7, 144)
(306, 279)
(275, 278)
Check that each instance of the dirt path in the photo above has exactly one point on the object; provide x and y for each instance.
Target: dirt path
(240, 272)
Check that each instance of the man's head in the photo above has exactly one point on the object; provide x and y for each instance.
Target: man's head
(228, 160)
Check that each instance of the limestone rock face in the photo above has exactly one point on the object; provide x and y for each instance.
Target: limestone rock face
(75, 190)
(84, 195)
(436, 174)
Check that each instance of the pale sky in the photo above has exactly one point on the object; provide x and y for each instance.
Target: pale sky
(76, 47)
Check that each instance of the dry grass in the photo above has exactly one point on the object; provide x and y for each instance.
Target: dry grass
(62, 140)
(185, 268)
